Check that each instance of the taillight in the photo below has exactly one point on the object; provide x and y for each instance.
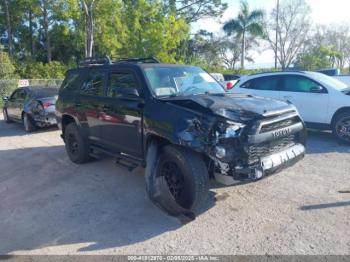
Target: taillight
(46, 104)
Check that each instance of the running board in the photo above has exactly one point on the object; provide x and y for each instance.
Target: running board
(122, 159)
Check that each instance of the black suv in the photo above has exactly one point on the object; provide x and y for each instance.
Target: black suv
(179, 123)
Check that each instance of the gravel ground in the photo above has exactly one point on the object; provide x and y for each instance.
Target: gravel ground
(51, 206)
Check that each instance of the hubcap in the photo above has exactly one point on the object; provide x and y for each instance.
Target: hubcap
(72, 144)
(174, 178)
(343, 128)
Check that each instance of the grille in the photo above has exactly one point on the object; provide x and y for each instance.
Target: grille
(268, 148)
(280, 124)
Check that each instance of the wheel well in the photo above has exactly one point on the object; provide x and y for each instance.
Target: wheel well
(339, 111)
(161, 142)
(66, 120)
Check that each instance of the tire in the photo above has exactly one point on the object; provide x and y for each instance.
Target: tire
(28, 123)
(6, 116)
(77, 146)
(186, 176)
(341, 127)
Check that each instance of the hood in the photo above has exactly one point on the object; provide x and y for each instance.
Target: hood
(236, 107)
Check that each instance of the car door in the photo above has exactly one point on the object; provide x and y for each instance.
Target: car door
(265, 86)
(310, 98)
(122, 115)
(89, 100)
(15, 104)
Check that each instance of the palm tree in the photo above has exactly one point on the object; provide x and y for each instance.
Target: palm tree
(245, 23)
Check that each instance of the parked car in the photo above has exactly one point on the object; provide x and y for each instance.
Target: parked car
(179, 123)
(227, 84)
(322, 101)
(34, 106)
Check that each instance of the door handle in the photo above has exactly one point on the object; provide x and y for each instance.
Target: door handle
(106, 108)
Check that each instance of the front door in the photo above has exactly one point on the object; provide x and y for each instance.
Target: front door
(312, 106)
(121, 115)
(15, 104)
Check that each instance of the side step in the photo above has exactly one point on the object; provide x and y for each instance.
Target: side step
(122, 159)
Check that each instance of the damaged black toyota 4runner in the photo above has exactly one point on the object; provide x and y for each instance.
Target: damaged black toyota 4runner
(179, 123)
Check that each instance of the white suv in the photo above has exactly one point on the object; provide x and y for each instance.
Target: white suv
(322, 101)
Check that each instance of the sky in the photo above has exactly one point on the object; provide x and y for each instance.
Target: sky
(323, 12)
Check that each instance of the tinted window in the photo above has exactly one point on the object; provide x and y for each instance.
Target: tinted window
(293, 83)
(93, 85)
(263, 83)
(70, 82)
(118, 81)
(19, 95)
(44, 92)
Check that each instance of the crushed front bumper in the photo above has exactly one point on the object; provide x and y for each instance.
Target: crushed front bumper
(266, 166)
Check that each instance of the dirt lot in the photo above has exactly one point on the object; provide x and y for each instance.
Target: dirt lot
(51, 206)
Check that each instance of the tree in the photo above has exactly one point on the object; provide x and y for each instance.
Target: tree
(193, 10)
(8, 25)
(244, 24)
(87, 7)
(292, 30)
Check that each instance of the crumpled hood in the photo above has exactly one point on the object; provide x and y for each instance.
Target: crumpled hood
(234, 106)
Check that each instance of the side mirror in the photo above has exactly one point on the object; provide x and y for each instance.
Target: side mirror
(128, 93)
(317, 89)
(5, 98)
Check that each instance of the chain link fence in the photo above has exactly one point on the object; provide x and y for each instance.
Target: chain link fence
(8, 85)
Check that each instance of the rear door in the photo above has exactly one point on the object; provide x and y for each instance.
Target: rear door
(312, 106)
(122, 116)
(265, 86)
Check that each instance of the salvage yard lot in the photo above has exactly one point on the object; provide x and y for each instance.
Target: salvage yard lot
(51, 206)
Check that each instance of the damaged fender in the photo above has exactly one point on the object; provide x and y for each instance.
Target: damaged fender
(158, 191)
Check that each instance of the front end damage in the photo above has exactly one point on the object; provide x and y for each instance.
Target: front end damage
(258, 149)
(237, 146)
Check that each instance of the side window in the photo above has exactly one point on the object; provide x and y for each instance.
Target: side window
(119, 81)
(93, 84)
(263, 83)
(293, 83)
(15, 95)
(70, 81)
(19, 95)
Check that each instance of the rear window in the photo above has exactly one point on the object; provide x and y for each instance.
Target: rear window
(263, 83)
(45, 92)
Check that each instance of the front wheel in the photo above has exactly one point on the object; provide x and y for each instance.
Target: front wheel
(185, 175)
(341, 127)
(28, 123)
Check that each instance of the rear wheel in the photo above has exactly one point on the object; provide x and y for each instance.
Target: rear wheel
(341, 127)
(28, 123)
(77, 146)
(185, 175)
(6, 116)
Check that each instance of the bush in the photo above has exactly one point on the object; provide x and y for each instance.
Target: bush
(39, 70)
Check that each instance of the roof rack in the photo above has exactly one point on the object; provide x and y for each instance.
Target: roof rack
(90, 61)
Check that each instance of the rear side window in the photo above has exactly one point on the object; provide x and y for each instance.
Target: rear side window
(294, 83)
(119, 81)
(93, 84)
(71, 81)
(263, 83)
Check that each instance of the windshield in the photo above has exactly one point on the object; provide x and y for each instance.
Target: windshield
(181, 80)
(330, 81)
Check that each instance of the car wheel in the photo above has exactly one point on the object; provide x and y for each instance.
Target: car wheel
(77, 146)
(6, 116)
(185, 175)
(341, 127)
(28, 123)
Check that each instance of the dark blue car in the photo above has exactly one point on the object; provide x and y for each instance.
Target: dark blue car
(33, 106)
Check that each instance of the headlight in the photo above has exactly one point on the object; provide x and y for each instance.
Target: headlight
(229, 129)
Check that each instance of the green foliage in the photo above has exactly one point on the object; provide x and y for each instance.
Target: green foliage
(317, 58)
(7, 68)
(39, 70)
